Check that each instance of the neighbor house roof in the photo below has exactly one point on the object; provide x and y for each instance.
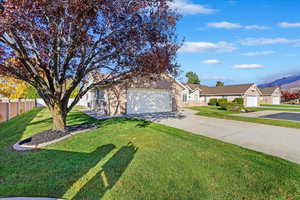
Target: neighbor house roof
(96, 77)
(222, 90)
(193, 86)
(268, 90)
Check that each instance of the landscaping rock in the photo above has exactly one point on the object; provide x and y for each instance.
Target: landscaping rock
(50, 137)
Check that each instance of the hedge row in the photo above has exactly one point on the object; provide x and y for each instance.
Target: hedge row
(237, 105)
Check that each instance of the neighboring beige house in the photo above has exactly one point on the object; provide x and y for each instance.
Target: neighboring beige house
(162, 94)
(249, 92)
(270, 95)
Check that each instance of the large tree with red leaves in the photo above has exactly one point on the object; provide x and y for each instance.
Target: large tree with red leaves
(289, 96)
(54, 43)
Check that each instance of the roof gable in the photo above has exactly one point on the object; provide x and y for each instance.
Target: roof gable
(268, 91)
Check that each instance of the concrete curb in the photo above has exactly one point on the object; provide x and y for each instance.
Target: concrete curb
(24, 147)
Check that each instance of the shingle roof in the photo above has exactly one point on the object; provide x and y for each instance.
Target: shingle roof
(268, 90)
(99, 76)
(222, 90)
(193, 86)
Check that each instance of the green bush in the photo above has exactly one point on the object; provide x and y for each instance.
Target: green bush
(233, 107)
(238, 101)
(213, 102)
(222, 102)
(224, 106)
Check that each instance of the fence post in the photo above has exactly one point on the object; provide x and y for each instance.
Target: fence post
(8, 110)
(18, 107)
(25, 106)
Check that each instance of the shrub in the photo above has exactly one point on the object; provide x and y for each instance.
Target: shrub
(222, 102)
(224, 106)
(292, 102)
(213, 102)
(233, 107)
(238, 101)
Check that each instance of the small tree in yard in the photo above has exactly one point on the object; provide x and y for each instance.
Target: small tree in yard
(219, 83)
(289, 96)
(192, 78)
(13, 88)
(55, 42)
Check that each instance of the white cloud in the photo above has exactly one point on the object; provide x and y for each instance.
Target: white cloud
(186, 7)
(229, 25)
(193, 47)
(267, 41)
(248, 66)
(259, 53)
(257, 27)
(211, 62)
(289, 25)
(291, 55)
(225, 25)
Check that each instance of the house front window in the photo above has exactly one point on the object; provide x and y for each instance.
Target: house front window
(196, 98)
(100, 95)
(184, 98)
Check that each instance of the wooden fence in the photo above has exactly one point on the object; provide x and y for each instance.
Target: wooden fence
(12, 108)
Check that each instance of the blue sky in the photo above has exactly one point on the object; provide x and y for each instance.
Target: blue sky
(239, 41)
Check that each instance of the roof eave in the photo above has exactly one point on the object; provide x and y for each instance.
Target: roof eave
(225, 94)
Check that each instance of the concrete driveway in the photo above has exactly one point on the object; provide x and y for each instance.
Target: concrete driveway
(273, 140)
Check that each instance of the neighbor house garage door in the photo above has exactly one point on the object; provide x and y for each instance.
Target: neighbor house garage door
(276, 100)
(148, 101)
(252, 102)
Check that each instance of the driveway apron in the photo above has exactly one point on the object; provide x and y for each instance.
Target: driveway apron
(277, 141)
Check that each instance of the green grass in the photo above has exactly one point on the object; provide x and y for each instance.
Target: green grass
(275, 109)
(134, 159)
(216, 112)
(283, 105)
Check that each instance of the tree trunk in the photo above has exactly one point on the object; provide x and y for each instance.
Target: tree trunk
(59, 117)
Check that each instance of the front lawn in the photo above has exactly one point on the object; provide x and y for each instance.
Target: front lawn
(286, 109)
(134, 159)
(217, 112)
(282, 105)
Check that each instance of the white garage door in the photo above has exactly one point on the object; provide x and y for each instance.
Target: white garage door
(252, 102)
(276, 100)
(148, 101)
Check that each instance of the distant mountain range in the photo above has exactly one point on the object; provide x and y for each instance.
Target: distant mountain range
(286, 83)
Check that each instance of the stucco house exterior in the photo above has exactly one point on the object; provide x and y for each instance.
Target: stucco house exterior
(270, 95)
(140, 95)
(162, 94)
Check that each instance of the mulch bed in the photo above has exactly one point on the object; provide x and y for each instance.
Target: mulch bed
(50, 135)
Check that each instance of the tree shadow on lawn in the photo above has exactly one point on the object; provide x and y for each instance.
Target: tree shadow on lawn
(55, 173)
(77, 117)
(140, 123)
(52, 173)
(74, 117)
(109, 174)
(11, 131)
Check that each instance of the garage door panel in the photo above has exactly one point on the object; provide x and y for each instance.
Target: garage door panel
(148, 101)
(252, 101)
(276, 100)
